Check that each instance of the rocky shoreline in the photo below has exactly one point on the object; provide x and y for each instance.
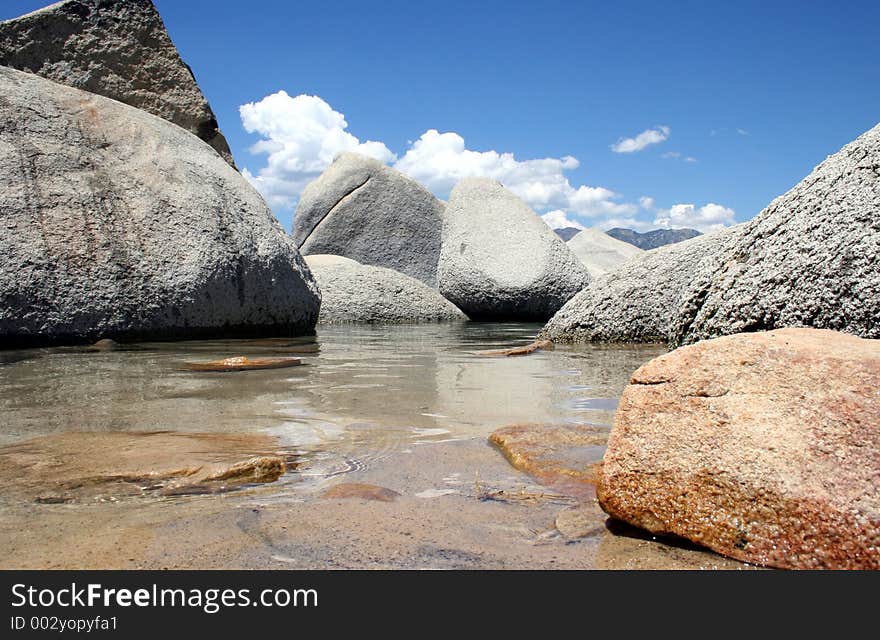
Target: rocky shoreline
(756, 436)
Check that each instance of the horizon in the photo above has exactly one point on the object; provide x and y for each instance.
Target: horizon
(639, 116)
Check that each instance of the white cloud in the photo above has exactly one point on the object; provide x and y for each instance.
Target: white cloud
(644, 139)
(676, 155)
(743, 132)
(440, 160)
(300, 136)
(710, 217)
(558, 219)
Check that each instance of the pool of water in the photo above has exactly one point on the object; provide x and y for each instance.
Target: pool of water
(403, 406)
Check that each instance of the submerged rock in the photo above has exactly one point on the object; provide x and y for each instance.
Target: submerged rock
(639, 301)
(121, 225)
(763, 447)
(532, 347)
(361, 491)
(85, 466)
(599, 252)
(809, 259)
(561, 456)
(581, 521)
(352, 293)
(499, 260)
(242, 363)
(115, 48)
(361, 209)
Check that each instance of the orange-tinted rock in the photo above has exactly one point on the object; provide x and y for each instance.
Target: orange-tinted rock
(83, 465)
(562, 456)
(242, 363)
(362, 491)
(764, 447)
(537, 345)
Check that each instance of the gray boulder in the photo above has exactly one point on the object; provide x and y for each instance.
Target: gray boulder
(639, 301)
(353, 292)
(118, 224)
(363, 210)
(115, 48)
(599, 252)
(499, 260)
(810, 259)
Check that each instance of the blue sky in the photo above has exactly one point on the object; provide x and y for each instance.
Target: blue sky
(755, 93)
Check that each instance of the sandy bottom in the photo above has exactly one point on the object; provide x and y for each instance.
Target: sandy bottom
(460, 506)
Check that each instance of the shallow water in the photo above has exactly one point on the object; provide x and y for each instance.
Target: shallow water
(398, 405)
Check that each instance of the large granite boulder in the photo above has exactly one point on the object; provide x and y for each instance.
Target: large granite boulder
(761, 446)
(499, 260)
(115, 48)
(361, 209)
(639, 301)
(353, 293)
(118, 224)
(599, 252)
(808, 259)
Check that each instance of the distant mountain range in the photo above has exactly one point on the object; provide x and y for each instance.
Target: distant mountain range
(567, 233)
(653, 239)
(647, 240)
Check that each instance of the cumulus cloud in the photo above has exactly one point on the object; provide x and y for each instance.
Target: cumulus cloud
(557, 219)
(644, 139)
(710, 217)
(300, 137)
(439, 160)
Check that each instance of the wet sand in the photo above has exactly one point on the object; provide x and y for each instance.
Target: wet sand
(87, 482)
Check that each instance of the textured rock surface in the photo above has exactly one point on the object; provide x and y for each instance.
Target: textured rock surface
(115, 48)
(808, 259)
(637, 302)
(353, 292)
(499, 260)
(652, 239)
(763, 447)
(363, 210)
(599, 252)
(119, 224)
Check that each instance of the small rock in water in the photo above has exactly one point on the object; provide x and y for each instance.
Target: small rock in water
(77, 466)
(242, 363)
(362, 491)
(105, 345)
(581, 521)
(537, 345)
(561, 456)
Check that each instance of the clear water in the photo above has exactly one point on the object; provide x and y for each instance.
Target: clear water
(365, 390)
(364, 399)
